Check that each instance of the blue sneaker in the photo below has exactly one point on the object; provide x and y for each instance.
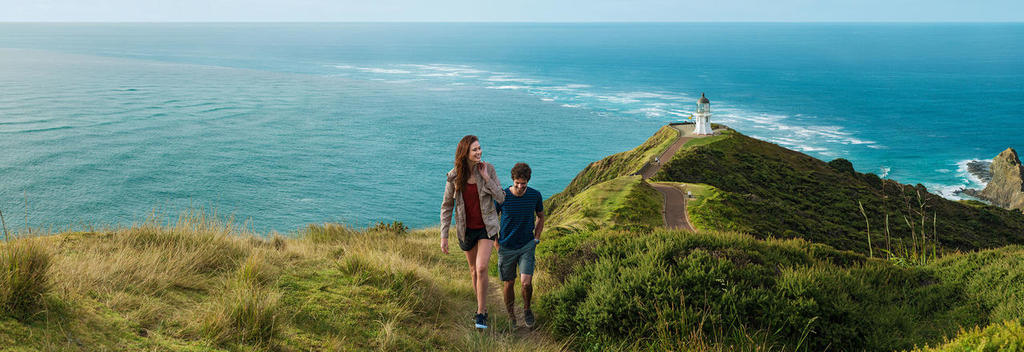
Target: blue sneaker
(481, 321)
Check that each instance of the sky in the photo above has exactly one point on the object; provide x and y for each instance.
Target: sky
(510, 10)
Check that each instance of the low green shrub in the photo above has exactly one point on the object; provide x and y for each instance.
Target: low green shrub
(994, 278)
(24, 281)
(641, 291)
(396, 227)
(1007, 336)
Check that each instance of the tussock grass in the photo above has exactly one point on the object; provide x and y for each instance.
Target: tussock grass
(201, 282)
(245, 314)
(328, 233)
(150, 258)
(24, 278)
(256, 272)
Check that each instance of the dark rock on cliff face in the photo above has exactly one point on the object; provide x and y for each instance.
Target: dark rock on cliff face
(982, 169)
(1006, 189)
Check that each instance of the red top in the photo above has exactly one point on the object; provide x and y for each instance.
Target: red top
(471, 199)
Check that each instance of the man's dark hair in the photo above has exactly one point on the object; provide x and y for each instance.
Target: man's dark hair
(521, 171)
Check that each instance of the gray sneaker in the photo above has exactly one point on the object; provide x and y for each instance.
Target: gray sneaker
(528, 318)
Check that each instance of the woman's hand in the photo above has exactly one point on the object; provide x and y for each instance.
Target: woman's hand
(482, 166)
(444, 245)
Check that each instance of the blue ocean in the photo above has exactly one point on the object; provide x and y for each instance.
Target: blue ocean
(282, 125)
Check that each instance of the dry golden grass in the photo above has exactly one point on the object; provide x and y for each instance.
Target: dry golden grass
(203, 282)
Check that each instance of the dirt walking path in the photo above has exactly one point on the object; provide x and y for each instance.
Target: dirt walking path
(500, 326)
(685, 135)
(674, 212)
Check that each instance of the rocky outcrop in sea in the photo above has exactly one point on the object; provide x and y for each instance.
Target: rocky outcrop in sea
(982, 169)
(1006, 181)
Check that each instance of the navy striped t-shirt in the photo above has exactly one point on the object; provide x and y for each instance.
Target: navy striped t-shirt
(517, 217)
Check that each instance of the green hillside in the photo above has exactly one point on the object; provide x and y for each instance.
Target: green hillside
(722, 290)
(766, 190)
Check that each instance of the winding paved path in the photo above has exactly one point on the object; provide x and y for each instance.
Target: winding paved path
(674, 211)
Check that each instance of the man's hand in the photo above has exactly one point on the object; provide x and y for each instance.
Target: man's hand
(444, 245)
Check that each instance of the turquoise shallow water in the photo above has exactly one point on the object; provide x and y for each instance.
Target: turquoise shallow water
(288, 124)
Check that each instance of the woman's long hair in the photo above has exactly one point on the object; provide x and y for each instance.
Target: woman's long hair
(462, 170)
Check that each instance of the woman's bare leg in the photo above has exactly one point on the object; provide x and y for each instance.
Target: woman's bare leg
(483, 258)
(471, 258)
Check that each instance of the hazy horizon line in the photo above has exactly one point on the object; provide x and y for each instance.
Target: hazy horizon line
(509, 21)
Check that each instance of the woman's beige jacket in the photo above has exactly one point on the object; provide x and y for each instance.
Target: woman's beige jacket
(489, 190)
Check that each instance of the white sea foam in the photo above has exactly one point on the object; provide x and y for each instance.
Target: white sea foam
(513, 87)
(967, 180)
(807, 148)
(884, 171)
(971, 180)
(651, 104)
(382, 70)
(679, 113)
(616, 99)
(649, 112)
(946, 191)
(450, 69)
(512, 79)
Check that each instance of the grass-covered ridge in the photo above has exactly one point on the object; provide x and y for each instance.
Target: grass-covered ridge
(613, 166)
(625, 201)
(202, 284)
(766, 190)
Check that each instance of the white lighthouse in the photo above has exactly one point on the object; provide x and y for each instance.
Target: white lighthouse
(703, 116)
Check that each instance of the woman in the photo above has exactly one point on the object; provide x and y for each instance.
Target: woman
(471, 191)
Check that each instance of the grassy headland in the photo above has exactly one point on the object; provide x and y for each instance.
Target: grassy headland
(608, 277)
(769, 191)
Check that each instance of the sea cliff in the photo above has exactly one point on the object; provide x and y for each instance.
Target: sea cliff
(1006, 188)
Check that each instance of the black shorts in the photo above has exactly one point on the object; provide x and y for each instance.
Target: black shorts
(473, 235)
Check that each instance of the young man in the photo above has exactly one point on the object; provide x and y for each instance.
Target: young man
(522, 220)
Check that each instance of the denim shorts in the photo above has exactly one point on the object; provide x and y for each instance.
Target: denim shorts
(523, 257)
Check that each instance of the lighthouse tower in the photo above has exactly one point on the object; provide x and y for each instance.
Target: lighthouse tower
(703, 116)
